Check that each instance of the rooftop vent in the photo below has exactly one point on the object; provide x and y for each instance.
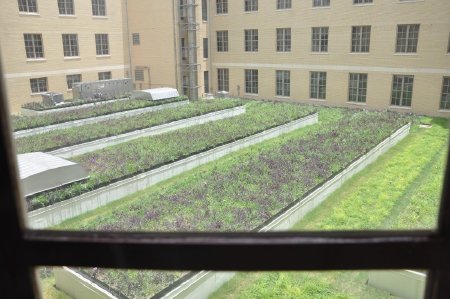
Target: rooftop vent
(156, 94)
(52, 98)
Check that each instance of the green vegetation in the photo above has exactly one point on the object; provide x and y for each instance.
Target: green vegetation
(30, 122)
(66, 137)
(40, 106)
(242, 190)
(400, 191)
(143, 154)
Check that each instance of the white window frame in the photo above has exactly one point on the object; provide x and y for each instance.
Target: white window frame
(283, 83)
(136, 37)
(251, 81)
(99, 8)
(39, 85)
(319, 39)
(318, 85)
(222, 40)
(357, 87)
(34, 45)
(445, 94)
(221, 7)
(284, 39)
(401, 84)
(361, 39)
(250, 5)
(251, 40)
(102, 44)
(71, 79)
(104, 76)
(362, 2)
(223, 79)
(70, 45)
(321, 3)
(407, 38)
(66, 7)
(28, 6)
(284, 4)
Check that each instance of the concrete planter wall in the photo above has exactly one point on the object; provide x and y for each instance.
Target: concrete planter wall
(89, 201)
(402, 283)
(30, 112)
(92, 120)
(205, 283)
(79, 149)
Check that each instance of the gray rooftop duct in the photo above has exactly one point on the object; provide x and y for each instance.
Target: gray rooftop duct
(40, 172)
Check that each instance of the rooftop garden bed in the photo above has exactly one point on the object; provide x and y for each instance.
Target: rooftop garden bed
(40, 106)
(30, 122)
(401, 190)
(125, 160)
(241, 191)
(66, 137)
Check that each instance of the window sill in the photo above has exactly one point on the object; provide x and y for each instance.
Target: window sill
(317, 100)
(405, 54)
(284, 9)
(319, 53)
(283, 52)
(251, 94)
(100, 17)
(364, 4)
(359, 53)
(103, 56)
(282, 97)
(31, 14)
(68, 16)
(357, 103)
(320, 7)
(251, 52)
(36, 59)
(221, 14)
(250, 12)
(72, 58)
(409, 1)
(35, 94)
(400, 107)
(444, 110)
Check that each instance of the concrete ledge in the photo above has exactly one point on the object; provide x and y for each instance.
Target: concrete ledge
(86, 121)
(57, 213)
(30, 112)
(402, 283)
(203, 284)
(77, 286)
(79, 149)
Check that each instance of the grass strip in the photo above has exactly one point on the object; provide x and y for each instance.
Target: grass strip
(40, 106)
(400, 191)
(128, 159)
(29, 122)
(242, 190)
(67, 137)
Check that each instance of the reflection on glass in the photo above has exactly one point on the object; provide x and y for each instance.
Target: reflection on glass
(86, 282)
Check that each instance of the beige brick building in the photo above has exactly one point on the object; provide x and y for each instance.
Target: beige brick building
(377, 54)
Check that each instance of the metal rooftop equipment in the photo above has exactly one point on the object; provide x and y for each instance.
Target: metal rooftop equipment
(40, 172)
(156, 94)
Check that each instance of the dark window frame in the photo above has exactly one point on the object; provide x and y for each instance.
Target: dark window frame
(22, 249)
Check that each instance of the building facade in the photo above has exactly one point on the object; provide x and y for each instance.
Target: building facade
(374, 54)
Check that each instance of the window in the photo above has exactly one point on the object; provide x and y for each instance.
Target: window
(38, 85)
(104, 76)
(221, 7)
(318, 85)
(205, 48)
(206, 81)
(250, 5)
(362, 1)
(70, 45)
(102, 44)
(448, 45)
(136, 39)
(402, 88)
(407, 38)
(222, 41)
(283, 82)
(251, 81)
(251, 40)
(357, 88)
(283, 39)
(222, 80)
(319, 3)
(361, 39)
(98, 8)
(284, 4)
(139, 75)
(320, 39)
(445, 97)
(205, 10)
(72, 79)
(33, 46)
(66, 7)
(28, 6)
